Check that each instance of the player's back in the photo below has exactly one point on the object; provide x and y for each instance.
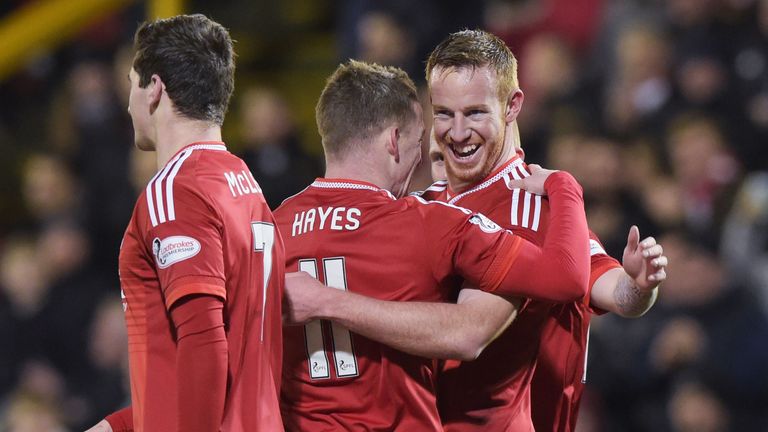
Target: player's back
(357, 237)
(202, 227)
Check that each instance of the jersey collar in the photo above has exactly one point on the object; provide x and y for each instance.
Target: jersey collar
(509, 168)
(204, 145)
(340, 183)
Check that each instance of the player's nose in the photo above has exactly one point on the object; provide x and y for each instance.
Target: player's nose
(459, 131)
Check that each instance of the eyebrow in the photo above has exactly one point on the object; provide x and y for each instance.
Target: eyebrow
(467, 108)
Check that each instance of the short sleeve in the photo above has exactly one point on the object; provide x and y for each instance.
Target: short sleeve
(600, 263)
(185, 238)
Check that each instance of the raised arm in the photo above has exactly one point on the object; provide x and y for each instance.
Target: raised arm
(559, 270)
(632, 290)
(434, 330)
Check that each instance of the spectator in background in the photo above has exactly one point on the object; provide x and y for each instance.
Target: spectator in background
(704, 169)
(107, 389)
(702, 346)
(394, 20)
(554, 94)
(22, 290)
(745, 236)
(93, 130)
(384, 40)
(639, 93)
(749, 69)
(49, 188)
(48, 307)
(271, 147)
(31, 413)
(596, 162)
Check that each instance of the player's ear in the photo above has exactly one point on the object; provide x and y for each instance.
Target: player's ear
(156, 89)
(392, 142)
(513, 106)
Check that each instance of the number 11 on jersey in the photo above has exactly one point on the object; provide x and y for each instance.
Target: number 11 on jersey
(341, 338)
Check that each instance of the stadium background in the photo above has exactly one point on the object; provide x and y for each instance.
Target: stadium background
(659, 108)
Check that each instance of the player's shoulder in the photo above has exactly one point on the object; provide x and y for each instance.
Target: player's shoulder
(427, 209)
(292, 202)
(435, 191)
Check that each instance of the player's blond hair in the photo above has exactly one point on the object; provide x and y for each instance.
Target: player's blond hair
(360, 100)
(476, 49)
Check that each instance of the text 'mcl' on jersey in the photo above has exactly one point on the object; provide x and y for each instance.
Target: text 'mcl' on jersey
(355, 236)
(493, 392)
(201, 226)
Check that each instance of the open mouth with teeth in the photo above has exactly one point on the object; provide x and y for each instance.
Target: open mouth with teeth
(464, 151)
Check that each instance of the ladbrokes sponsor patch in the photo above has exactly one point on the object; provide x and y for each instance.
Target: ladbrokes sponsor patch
(171, 250)
(484, 223)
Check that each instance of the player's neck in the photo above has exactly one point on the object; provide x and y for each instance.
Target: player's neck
(179, 134)
(357, 170)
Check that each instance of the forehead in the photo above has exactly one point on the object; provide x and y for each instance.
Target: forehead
(462, 85)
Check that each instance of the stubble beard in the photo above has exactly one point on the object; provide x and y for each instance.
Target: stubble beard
(470, 176)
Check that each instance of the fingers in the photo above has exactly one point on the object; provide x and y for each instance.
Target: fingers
(659, 276)
(633, 238)
(654, 251)
(659, 262)
(513, 184)
(647, 242)
(533, 168)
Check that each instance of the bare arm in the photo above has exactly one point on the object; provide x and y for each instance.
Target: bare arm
(632, 290)
(434, 330)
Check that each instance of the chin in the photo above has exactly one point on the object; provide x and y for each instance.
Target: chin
(469, 174)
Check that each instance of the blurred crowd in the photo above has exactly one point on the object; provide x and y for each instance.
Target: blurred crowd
(658, 107)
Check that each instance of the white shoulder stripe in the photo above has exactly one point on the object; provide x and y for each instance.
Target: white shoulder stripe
(515, 199)
(150, 203)
(536, 213)
(156, 207)
(169, 185)
(526, 209)
(438, 186)
(531, 203)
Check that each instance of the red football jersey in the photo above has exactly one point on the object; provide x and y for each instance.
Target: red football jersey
(202, 227)
(355, 236)
(558, 381)
(492, 393)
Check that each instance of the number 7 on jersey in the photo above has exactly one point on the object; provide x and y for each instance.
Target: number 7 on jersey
(341, 338)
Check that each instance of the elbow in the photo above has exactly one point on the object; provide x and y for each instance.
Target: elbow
(573, 286)
(467, 353)
(469, 347)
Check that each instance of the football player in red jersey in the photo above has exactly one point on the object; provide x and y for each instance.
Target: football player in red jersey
(201, 262)
(350, 230)
(472, 78)
(476, 100)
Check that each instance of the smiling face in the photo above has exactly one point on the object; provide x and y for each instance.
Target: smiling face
(470, 122)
